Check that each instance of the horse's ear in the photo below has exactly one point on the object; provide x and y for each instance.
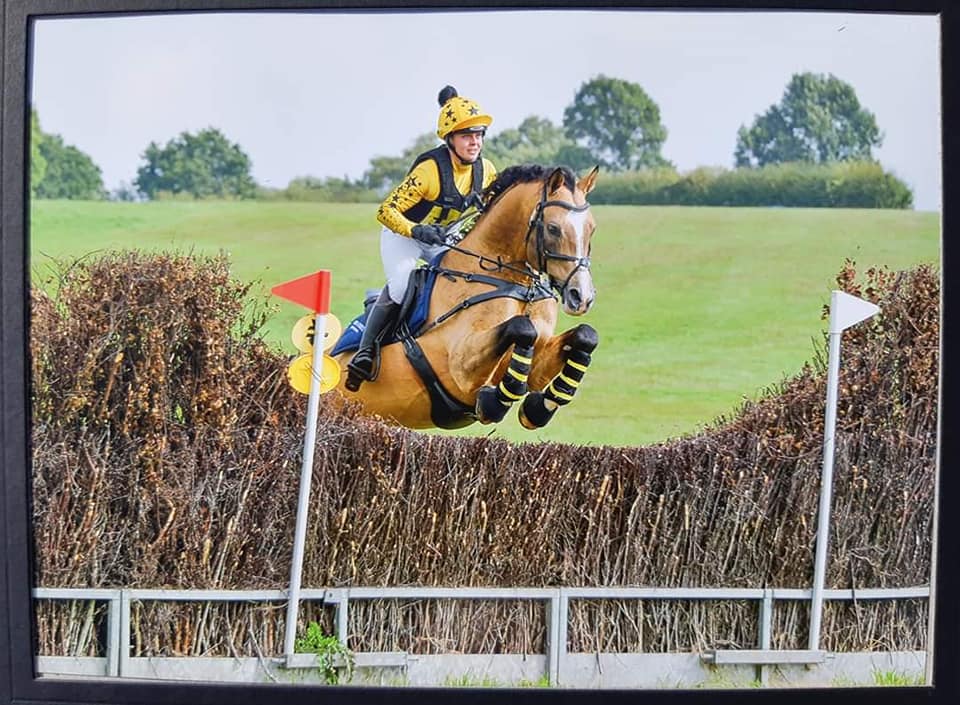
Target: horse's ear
(587, 183)
(555, 182)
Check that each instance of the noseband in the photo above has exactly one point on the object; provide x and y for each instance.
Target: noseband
(543, 254)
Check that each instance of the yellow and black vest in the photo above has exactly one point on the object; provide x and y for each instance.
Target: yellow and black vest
(450, 204)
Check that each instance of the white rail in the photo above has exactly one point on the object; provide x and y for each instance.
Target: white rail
(557, 601)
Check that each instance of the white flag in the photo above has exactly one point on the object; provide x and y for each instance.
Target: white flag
(847, 310)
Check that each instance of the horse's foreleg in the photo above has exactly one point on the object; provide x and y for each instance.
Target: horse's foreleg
(572, 349)
(493, 402)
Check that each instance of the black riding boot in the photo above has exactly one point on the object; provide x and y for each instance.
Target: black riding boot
(365, 363)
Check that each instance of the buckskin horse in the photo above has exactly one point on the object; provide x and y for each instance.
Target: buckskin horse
(488, 340)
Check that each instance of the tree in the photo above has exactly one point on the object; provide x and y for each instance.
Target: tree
(329, 189)
(386, 172)
(126, 192)
(618, 122)
(818, 120)
(576, 157)
(59, 170)
(68, 172)
(38, 165)
(204, 165)
(535, 141)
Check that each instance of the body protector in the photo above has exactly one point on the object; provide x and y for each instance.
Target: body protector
(450, 204)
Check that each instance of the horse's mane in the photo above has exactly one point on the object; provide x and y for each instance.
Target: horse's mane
(524, 173)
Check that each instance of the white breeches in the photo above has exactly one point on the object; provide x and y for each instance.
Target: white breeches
(400, 255)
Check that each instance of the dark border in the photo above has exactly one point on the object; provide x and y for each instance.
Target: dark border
(17, 684)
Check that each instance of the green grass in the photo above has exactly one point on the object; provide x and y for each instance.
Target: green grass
(471, 681)
(897, 679)
(468, 680)
(723, 681)
(697, 308)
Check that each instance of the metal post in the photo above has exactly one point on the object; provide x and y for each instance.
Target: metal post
(306, 474)
(343, 624)
(845, 311)
(114, 638)
(123, 665)
(553, 639)
(766, 631)
(561, 647)
(826, 492)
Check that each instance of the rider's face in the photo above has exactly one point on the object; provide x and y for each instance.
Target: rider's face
(467, 145)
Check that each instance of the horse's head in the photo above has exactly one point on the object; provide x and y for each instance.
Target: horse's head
(558, 240)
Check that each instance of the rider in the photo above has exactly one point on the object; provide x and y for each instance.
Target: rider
(442, 183)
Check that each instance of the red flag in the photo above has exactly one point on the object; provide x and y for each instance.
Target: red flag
(312, 291)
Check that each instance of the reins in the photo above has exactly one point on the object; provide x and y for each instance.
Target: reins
(533, 291)
(498, 265)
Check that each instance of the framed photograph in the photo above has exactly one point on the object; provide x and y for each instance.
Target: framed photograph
(632, 384)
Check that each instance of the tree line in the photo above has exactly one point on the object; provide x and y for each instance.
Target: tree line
(611, 122)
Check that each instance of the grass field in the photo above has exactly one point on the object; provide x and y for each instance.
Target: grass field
(697, 308)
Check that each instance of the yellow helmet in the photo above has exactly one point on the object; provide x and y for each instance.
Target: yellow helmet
(458, 113)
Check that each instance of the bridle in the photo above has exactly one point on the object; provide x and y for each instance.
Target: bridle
(543, 254)
(536, 289)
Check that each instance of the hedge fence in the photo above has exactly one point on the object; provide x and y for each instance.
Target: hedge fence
(835, 185)
(166, 453)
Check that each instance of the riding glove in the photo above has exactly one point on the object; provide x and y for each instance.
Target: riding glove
(430, 234)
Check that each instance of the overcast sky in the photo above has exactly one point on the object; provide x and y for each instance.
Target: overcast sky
(320, 94)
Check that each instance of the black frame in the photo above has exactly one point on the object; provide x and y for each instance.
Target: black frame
(17, 683)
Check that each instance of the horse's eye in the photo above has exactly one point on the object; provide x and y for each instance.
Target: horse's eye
(553, 229)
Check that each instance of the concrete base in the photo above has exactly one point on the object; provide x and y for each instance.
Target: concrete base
(669, 671)
(593, 671)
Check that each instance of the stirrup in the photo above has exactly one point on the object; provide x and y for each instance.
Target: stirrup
(366, 369)
(354, 381)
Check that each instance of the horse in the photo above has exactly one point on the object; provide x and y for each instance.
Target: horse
(488, 341)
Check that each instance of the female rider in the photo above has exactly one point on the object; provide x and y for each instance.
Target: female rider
(442, 183)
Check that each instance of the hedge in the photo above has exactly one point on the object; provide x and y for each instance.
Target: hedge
(838, 185)
(166, 454)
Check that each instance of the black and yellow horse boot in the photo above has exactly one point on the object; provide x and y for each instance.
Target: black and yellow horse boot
(494, 402)
(539, 407)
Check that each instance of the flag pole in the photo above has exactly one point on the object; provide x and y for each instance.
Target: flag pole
(845, 311)
(826, 492)
(303, 501)
(312, 291)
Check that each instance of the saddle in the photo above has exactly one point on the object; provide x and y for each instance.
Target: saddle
(445, 410)
(412, 315)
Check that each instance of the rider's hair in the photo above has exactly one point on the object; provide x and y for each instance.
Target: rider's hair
(446, 93)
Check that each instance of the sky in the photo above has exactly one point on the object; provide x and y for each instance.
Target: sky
(320, 94)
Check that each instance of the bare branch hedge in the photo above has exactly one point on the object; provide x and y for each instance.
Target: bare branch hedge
(167, 445)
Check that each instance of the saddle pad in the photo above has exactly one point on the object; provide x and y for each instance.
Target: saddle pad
(350, 338)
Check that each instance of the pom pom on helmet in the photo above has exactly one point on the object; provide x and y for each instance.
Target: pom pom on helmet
(446, 93)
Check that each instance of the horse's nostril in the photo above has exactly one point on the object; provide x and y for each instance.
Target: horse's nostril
(573, 298)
